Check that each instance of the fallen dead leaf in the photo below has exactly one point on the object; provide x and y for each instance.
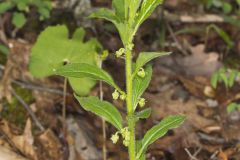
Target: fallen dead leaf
(25, 142)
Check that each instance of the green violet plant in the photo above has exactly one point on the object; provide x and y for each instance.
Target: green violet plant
(127, 16)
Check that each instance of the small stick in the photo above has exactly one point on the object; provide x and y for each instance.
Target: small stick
(64, 106)
(178, 44)
(31, 113)
(39, 88)
(104, 148)
(190, 155)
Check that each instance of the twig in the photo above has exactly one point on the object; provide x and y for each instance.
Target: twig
(64, 106)
(178, 44)
(31, 113)
(190, 155)
(39, 88)
(104, 148)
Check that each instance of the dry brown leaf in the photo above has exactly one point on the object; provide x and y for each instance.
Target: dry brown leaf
(25, 142)
(7, 154)
(51, 144)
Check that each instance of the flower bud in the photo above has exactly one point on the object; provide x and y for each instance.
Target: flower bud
(142, 102)
(115, 95)
(141, 73)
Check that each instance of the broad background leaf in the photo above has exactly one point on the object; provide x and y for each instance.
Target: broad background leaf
(103, 109)
(53, 47)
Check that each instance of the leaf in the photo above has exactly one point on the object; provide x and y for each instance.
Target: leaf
(224, 78)
(145, 57)
(106, 14)
(53, 47)
(160, 130)
(214, 79)
(232, 78)
(22, 5)
(147, 7)
(233, 107)
(118, 6)
(4, 6)
(19, 19)
(103, 109)
(4, 50)
(227, 7)
(140, 85)
(80, 70)
(224, 35)
(144, 114)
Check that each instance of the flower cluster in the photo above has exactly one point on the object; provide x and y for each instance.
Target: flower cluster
(125, 135)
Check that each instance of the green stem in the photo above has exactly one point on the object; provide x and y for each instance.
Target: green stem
(131, 122)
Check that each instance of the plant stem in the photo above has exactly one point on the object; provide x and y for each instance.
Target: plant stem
(130, 119)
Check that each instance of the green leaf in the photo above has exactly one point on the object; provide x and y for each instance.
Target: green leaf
(160, 130)
(224, 78)
(53, 47)
(145, 57)
(118, 6)
(4, 6)
(140, 85)
(80, 70)
(147, 7)
(233, 107)
(133, 8)
(232, 78)
(4, 50)
(222, 34)
(106, 14)
(227, 7)
(103, 109)
(19, 19)
(214, 79)
(144, 114)
(22, 5)
(238, 2)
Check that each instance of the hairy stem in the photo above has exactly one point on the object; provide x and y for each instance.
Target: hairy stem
(130, 119)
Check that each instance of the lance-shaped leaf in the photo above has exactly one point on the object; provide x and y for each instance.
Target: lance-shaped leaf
(144, 114)
(145, 57)
(106, 14)
(146, 10)
(118, 6)
(160, 130)
(80, 70)
(140, 85)
(103, 109)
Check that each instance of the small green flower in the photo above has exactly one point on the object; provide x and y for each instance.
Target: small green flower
(115, 95)
(141, 73)
(125, 143)
(120, 52)
(115, 138)
(123, 97)
(142, 102)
